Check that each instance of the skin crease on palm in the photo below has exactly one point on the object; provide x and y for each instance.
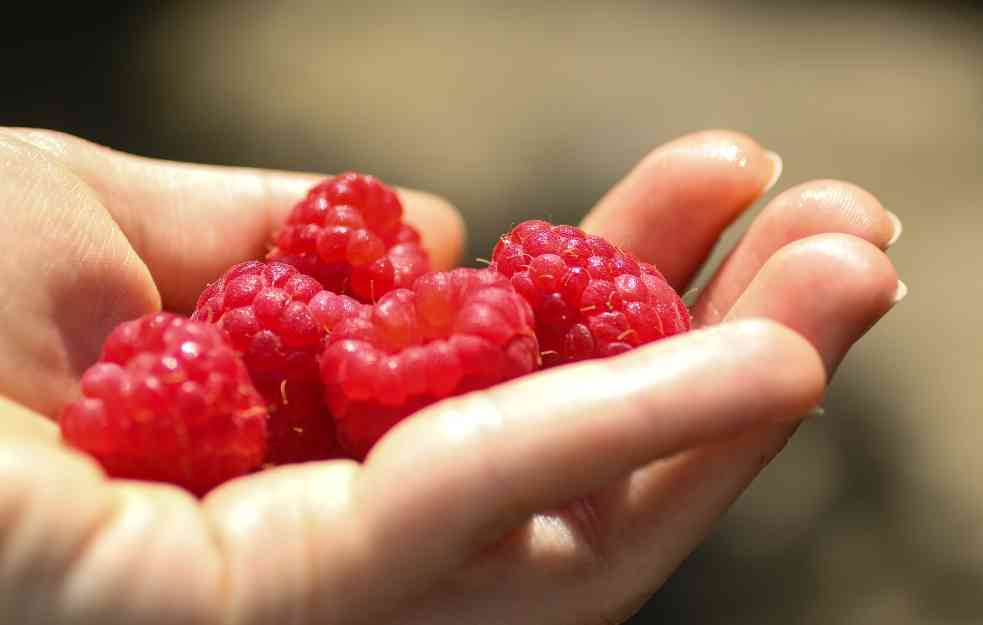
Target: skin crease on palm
(566, 497)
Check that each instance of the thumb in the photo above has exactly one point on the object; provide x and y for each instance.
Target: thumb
(69, 276)
(189, 223)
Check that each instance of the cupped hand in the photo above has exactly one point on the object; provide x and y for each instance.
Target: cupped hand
(564, 497)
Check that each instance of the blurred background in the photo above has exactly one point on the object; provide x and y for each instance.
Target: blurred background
(874, 513)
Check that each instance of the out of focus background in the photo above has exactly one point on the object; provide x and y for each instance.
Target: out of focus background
(874, 513)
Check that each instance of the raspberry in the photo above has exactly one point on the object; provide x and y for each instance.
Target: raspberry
(349, 235)
(590, 298)
(263, 306)
(169, 400)
(451, 333)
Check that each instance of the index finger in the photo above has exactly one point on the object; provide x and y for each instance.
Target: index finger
(189, 223)
(544, 440)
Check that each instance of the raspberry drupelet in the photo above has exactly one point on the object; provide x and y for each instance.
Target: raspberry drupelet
(590, 298)
(453, 332)
(263, 306)
(169, 400)
(348, 233)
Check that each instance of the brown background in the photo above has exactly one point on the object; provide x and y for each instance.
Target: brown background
(874, 513)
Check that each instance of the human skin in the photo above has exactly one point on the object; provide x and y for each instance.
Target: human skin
(564, 497)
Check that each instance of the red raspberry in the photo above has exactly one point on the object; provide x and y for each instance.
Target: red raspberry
(348, 234)
(451, 333)
(591, 299)
(264, 308)
(169, 400)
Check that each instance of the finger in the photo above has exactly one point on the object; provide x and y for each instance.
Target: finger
(189, 223)
(671, 209)
(817, 207)
(69, 276)
(829, 288)
(667, 508)
(109, 553)
(293, 545)
(546, 439)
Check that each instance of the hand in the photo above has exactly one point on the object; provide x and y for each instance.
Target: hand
(565, 497)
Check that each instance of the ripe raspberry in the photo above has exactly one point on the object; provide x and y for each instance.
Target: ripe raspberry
(169, 400)
(590, 298)
(264, 308)
(348, 234)
(451, 333)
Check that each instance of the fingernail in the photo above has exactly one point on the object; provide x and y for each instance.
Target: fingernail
(776, 169)
(898, 228)
(900, 292)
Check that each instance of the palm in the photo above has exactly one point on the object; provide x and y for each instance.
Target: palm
(449, 519)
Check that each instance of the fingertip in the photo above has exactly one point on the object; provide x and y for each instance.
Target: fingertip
(731, 149)
(716, 136)
(830, 288)
(672, 207)
(834, 206)
(848, 266)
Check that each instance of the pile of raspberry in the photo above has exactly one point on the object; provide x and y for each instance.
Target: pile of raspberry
(342, 331)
